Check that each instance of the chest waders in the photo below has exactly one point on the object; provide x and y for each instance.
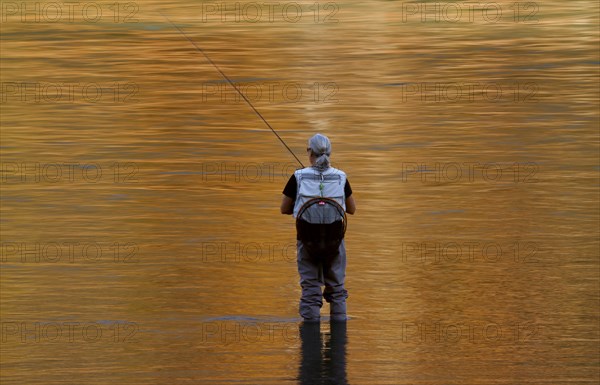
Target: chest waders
(320, 227)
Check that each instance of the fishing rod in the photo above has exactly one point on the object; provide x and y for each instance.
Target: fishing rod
(232, 84)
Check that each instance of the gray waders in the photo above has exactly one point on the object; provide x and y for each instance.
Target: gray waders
(322, 270)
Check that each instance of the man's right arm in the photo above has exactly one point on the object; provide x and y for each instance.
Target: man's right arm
(350, 205)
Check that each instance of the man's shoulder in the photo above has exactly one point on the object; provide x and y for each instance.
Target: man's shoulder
(337, 171)
(310, 171)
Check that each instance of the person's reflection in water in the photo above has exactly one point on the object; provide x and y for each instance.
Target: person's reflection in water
(323, 363)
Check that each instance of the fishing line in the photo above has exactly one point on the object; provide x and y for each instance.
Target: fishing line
(232, 84)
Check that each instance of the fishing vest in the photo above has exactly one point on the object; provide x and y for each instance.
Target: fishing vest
(313, 184)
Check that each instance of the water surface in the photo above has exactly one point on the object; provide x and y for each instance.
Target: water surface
(149, 212)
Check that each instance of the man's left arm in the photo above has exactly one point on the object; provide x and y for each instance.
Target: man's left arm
(287, 205)
(289, 195)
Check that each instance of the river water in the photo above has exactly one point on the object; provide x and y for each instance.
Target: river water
(141, 236)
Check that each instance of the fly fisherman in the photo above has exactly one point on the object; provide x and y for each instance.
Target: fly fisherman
(317, 269)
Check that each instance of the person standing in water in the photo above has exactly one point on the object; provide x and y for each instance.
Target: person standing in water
(318, 270)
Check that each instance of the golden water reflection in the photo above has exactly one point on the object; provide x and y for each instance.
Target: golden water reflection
(148, 213)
